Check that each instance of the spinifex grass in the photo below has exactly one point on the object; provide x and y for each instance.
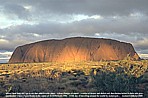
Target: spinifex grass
(68, 77)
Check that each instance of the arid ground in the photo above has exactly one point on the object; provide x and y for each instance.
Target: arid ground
(102, 76)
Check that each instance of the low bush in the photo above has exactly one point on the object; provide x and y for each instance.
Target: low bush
(118, 81)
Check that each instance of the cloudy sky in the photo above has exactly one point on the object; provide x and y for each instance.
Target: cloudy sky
(27, 21)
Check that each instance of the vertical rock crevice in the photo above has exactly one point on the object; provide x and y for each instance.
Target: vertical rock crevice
(73, 49)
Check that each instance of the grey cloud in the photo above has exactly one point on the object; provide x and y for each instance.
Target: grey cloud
(142, 44)
(125, 29)
(87, 7)
(87, 27)
(144, 51)
(1, 30)
(3, 60)
(9, 45)
(90, 7)
(15, 9)
(4, 56)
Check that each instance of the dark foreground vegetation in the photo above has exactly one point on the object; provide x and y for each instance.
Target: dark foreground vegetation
(123, 76)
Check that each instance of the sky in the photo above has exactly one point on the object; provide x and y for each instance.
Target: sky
(27, 21)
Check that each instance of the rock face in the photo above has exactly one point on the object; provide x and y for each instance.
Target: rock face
(73, 49)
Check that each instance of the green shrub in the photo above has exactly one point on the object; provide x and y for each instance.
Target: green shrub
(118, 81)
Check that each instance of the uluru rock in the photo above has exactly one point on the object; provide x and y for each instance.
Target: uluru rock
(73, 49)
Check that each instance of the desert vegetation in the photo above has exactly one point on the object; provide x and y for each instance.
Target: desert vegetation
(100, 76)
